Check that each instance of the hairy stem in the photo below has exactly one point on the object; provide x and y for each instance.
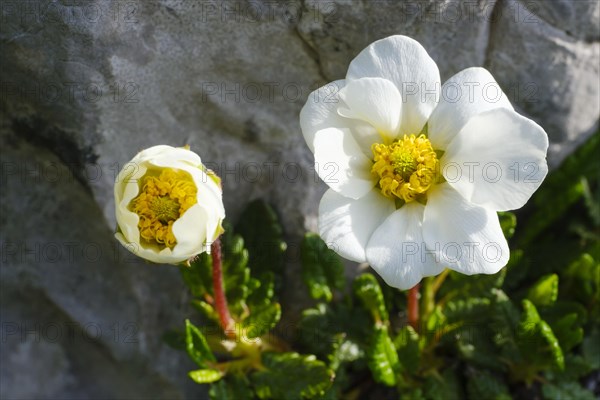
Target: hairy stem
(227, 322)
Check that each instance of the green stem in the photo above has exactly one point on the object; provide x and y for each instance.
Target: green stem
(428, 299)
(227, 323)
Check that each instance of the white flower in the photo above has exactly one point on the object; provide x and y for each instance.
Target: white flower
(168, 205)
(416, 170)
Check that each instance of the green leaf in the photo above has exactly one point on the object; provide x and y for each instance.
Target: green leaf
(553, 345)
(343, 350)
(545, 291)
(465, 286)
(260, 228)
(236, 274)
(568, 331)
(206, 310)
(566, 391)
(367, 289)
(536, 339)
(484, 385)
(231, 387)
(291, 376)
(467, 310)
(196, 345)
(198, 276)
(582, 279)
(261, 320)
(407, 344)
(261, 291)
(322, 268)
(205, 375)
(382, 357)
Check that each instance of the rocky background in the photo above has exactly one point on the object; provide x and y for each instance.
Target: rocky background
(86, 84)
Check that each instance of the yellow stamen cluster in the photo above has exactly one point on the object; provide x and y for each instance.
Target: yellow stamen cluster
(406, 168)
(162, 201)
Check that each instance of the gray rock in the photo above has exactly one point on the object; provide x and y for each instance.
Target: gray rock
(549, 75)
(85, 85)
(81, 318)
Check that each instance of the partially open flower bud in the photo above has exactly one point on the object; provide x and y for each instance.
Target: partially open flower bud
(169, 206)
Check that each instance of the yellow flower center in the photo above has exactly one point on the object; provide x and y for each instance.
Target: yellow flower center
(406, 168)
(163, 200)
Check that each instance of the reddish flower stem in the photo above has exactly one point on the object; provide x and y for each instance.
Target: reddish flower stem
(219, 292)
(413, 307)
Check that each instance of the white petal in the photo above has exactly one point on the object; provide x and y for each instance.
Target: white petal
(211, 212)
(365, 135)
(162, 155)
(341, 164)
(126, 189)
(150, 252)
(189, 232)
(346, 225)
(501, 157)
(397, 250)
(374, 100)
(321, 112)
(406, 63)
(465, 237)
(468, 93)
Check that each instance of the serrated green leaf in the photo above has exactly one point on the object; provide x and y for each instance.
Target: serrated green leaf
(262, 232)
(467, 310)
(407, 346)
(198, 276)
(367, 289)
(582, 279)
(382, 357)
(261, 320)
(322, 268)
(554, 346)
(196, 345)
(231, 387)
(504, 309)
(466, 286)
(205, 375)
(343, 351)
(530, 319)
(291, 376)
(206, 310)
(236, 274)
(566, 391)
(545, 291)
(536, 338)
(261, 290)
(568, 331)
(484, 385)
